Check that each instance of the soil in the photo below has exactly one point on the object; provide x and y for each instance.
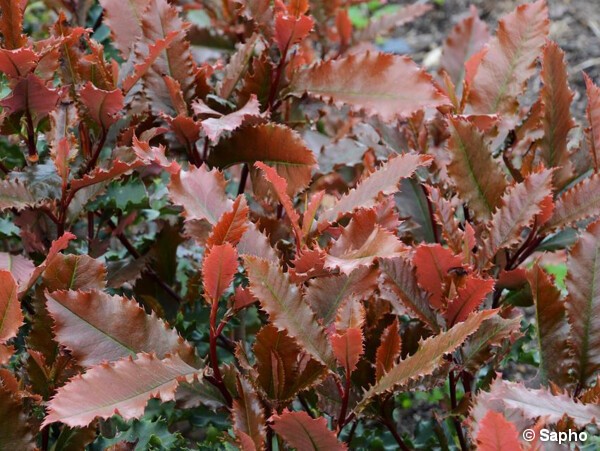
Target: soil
(575, 26)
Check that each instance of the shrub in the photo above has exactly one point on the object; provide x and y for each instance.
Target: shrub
(288, 237)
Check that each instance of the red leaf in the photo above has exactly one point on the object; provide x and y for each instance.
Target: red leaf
(381, 84)
(232, 224)
(581, 201)
(11, 23)
(122, 388)
(467, 299)
(557, 119)
(283, 367)
(74, 272)
(31, 94)
(428, 358)
(20, 267)
(399, 286)
(290, 30)
(361, 242)
(593, 116)
(304, 433)
(496, 433)
(215, 127)
(154, 155)
(11, 317)
(326, 294)
(99, 175)
(552, 327)
(159, 20)
(15, 430)
(102, 105)
(348, 348)
(201, 192)
(276, 145)
(155, 50)
(477, 176)
(308, 218)
(17, 63)
(466, 38)
(388, 350)
(287, 308)
(218, 269)
(58, 245)
(242, 298)
(520, 204)
(281, 188)
(433, 262)
(124, 21)
(583, 305)
(247, 414)
(510, 59)
(383, 181)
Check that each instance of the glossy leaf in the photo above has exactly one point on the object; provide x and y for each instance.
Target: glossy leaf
(20, 267)
(468, 298)
(326, 294)
(102, 105)
(11, 23)
(579, 202)
(202, 194)
(557, 120)
(389, 349)
(477, 177)
(231, 225)
(123, 388)
(510, 59)
(301, 431)
(466, 39)
(489, 339)
(275, 145)
(214, 127)
(348, 348)
(496, 433)
(433, 264)
(15, 194)
(361, 243)
(593, 117)
(11, 317)
(533, 404)
(283, 368)
(280, 187)
(124, 21)
(247, 414)
(583, 304)
(99, 175)
(427, 359)
(17, 63)
(74, 272)
(383, 181)
(286, 307)
(218, 269)
(399, 286)
(381, 84)
(519, 206)
(32, 95)
(97, 327)
(552, 327)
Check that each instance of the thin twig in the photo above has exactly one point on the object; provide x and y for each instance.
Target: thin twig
(455, 420)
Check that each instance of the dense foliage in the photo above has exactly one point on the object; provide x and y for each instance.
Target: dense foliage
(238, 224)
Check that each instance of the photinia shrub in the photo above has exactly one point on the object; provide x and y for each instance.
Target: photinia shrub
(239, 225)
